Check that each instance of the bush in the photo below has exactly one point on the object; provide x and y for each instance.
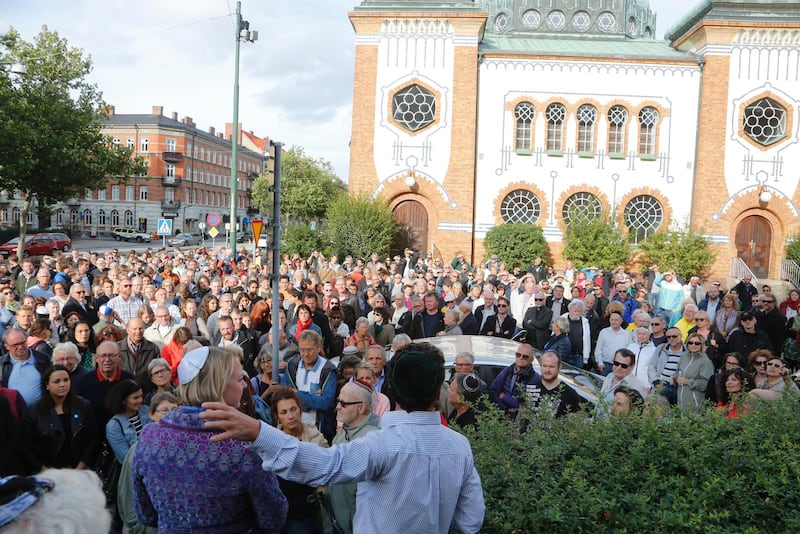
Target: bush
(687, 252)
(516, 243)
(682, 473)
(596, 242)
(793, 248)
(359, 225)
(301, 238)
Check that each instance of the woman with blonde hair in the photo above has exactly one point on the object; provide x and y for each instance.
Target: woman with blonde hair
(224, 487)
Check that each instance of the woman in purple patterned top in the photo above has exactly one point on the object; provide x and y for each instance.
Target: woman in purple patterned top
(182, 482)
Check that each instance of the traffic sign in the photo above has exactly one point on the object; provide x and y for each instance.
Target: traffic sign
(213, 233)
(257, 225)
(214, 218)
(165, 227)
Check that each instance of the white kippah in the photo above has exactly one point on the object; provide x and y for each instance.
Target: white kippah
(191, 363)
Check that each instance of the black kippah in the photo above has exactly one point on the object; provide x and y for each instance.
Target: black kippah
(415, 375)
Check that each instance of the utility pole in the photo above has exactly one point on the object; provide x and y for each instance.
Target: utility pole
(242, 32)
(276, 257)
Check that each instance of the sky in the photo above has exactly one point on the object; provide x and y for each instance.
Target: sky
(295, 81)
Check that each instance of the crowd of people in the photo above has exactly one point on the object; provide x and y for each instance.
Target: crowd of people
(100, 348)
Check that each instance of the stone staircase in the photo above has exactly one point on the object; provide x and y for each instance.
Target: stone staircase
(780, 288)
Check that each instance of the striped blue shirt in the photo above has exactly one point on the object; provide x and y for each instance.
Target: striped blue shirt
(415, 475)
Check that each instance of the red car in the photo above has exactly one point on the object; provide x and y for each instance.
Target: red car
(63, 241)
(35, 245)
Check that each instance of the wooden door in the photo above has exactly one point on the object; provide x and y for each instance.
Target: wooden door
(412, 218)
(753, 243)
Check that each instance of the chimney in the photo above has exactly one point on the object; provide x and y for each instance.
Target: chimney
(158, 110)
(220, 135)
(229, 132)
(188, 121)
(174, 115)
(212, 130)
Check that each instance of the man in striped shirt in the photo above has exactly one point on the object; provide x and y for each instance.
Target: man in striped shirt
(412, 464)
(665, 365)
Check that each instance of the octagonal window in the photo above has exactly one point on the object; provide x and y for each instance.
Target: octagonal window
(520, 206)
(414, 107)
(765, 121)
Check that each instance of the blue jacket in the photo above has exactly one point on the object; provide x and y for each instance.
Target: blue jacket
(121, 434)
(560, 344)
(325, 403)
(514, 390)
(630, 307)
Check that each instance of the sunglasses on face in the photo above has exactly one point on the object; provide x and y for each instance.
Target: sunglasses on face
(760, 363)
(620, 364)
(693, 343)
(523, 356)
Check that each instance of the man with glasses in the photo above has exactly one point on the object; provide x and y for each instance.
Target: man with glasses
(43, 289)
(748, 338)
(468, 324)
(621, 375)
(77, 303)
(162, 329)
(126, 304)
(537, 321)
(136, 352)
(95, 385)
(225, 308)
(658, 335)
(22, 367)
(771, 321)
(67, 354)
(508, 389)
(664, 365)
(500, 324)
(746, 291)
(353, 410)
(314, 378)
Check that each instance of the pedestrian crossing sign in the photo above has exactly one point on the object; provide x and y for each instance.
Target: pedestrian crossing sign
(165, 227)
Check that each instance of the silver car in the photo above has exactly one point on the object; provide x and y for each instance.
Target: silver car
(493, 354)
(184, 240)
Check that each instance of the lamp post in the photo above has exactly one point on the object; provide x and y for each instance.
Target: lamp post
(242, 28)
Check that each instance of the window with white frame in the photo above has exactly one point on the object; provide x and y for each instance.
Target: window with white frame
(142, 192)
(59, 217)
(101, 194)
(114, 192)
(587, 116)
(130, 142)
(170, 170)
(523, 114)
(648, 120)
(87, 216)
(115, 142)
(114, 218)
(15, 215)
(129, 193)
(556, 114)
(643, 216)
(520, 206)
(144, 144)
(764, 121)
(581, 207)
(169, 194)
(171, 145)
(128, 218)
(4, 215)
(101, 217)
(617, 121)
(88, 194)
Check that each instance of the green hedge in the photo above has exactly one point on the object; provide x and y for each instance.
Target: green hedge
(681, 473)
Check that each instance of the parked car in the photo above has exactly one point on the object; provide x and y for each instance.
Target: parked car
(35, 245)
(184, 240)
(62, 240)
(243, 236)
(130, 234)
(493, 354)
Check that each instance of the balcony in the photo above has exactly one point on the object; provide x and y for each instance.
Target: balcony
(172, 157)
(170, 181)
(73, 203)
(170, 205)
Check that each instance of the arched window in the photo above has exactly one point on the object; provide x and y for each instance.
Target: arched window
(15, 215)
(114, 218)
(643, 215)
(524, 113)
(87, 216)
(581, 207)
(128, 218)
(101, 218)
(520, 206)
(617, 120)
(587, 116)
(4, 215)
(59, 217)
(556, 113)
(648, 120)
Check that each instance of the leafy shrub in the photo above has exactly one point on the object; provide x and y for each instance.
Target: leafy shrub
(687, 252)
(359, 225)
(793, 248)
(301, 238)
(681, 473)
(516, 243)
(596, 242)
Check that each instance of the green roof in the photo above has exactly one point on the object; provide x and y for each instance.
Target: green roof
(585, 47)
(737, 10)
(417, 5)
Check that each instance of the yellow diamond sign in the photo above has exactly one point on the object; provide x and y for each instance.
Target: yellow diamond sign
(213, 232)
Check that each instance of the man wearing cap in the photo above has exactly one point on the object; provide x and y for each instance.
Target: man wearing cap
(77, 303)
(353, 410)
(105, 318)
(413, 463)
(748, 338)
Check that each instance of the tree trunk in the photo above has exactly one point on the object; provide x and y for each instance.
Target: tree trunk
(23, 226)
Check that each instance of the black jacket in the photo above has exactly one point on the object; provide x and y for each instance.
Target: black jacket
(43, 436)
(89, 314)
(507, 328)
(416, 331)
(537, 325)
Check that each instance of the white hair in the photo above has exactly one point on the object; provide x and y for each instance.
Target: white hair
(56, 510)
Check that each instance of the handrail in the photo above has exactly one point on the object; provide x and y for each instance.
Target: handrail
(790, 271)
(739, 270)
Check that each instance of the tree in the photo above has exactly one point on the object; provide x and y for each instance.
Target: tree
(687, 252)
(596, 241)
(308, 185)
(302, 239)
(516, 243)
(51, 144)
(793, 248)
(359, 225)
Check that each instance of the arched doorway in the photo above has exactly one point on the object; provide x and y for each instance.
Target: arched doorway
(412, 218)
(753, 244)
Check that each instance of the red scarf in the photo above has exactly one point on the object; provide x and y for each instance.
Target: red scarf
(302, 326)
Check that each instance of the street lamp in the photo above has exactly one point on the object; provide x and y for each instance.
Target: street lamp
(243, 32)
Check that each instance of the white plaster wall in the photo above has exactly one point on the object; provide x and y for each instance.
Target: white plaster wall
(671, 87)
